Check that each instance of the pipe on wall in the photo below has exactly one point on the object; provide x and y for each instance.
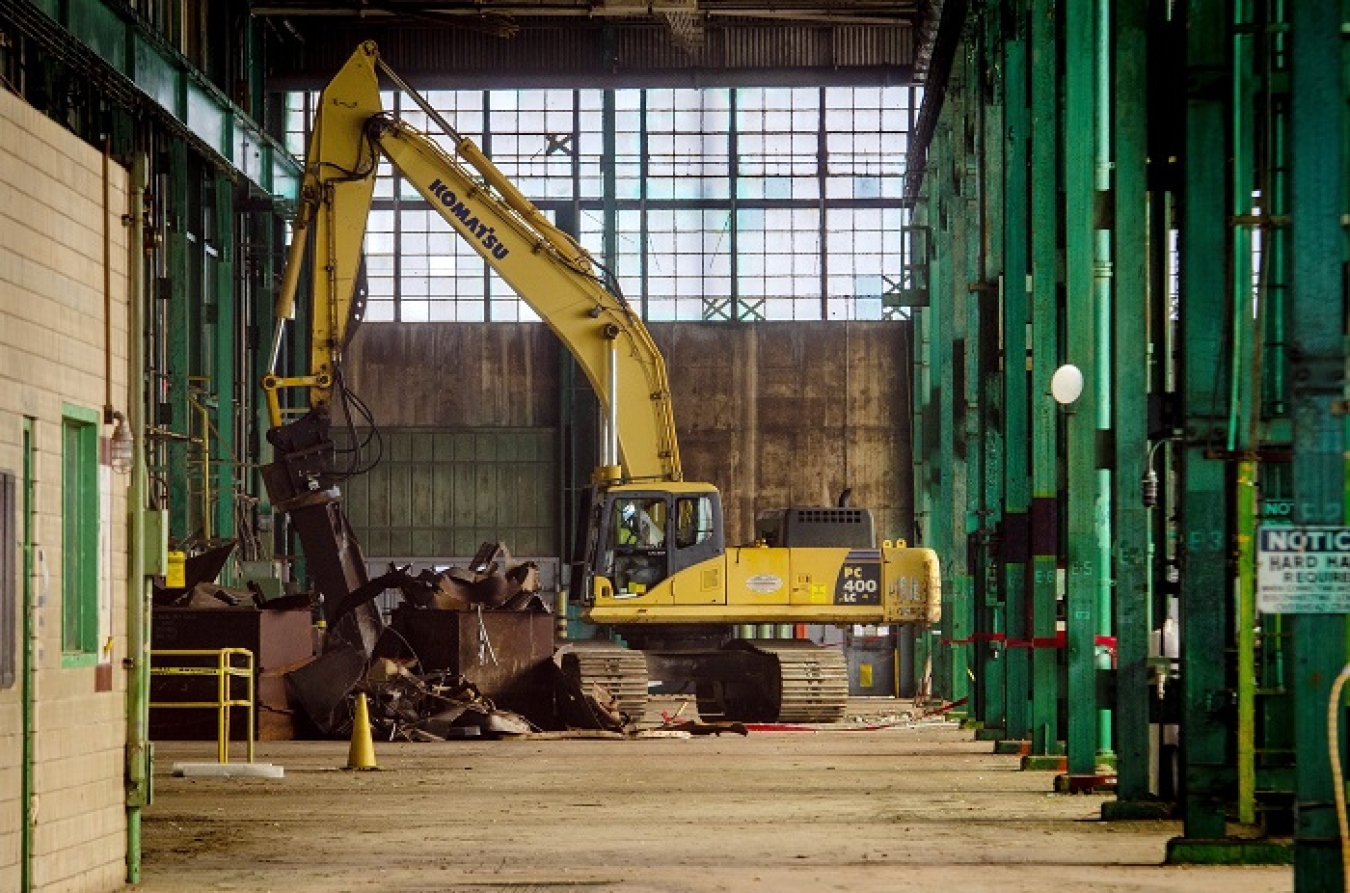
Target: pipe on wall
(138, 590)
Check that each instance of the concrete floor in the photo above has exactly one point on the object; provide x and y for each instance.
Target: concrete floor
(918, 807)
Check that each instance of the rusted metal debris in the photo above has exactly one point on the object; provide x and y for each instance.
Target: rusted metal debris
(436, 706)
(491, 586)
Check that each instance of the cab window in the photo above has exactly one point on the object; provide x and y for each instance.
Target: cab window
(639, 522)
(693, 520)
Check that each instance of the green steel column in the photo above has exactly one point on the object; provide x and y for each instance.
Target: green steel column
(965, 387)
(1203, 528)
(948, 508)
(966, 338)
(1081, 417)
(1045, 359)
(1242, 391)
(922, 437)
(222, 439)
(1016, 486)
(991, 672)
(1317, 376)
(180, 333)
(1102, 274)
(261, 311)
(1129, 345)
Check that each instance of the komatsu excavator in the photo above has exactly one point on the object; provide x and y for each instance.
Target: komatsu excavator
(652, 564)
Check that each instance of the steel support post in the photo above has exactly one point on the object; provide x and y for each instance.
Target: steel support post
(1203, 527)
(970, 470)
(989, 650)
(1045, 358)
(1242, 435)
(949, 506)
(1080, 349)
(1015, 545)
(182, 328)
(923, 437)
(1317, 375)
(222, 283)
(1130, 358)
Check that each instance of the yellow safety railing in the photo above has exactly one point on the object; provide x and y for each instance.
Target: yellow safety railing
(224, 670)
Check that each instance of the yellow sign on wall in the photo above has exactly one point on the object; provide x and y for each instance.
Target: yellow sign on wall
(175, 575)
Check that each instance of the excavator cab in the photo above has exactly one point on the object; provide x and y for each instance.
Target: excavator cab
(644, 536)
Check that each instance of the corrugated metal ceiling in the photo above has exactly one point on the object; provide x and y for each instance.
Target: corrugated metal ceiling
(614, 43)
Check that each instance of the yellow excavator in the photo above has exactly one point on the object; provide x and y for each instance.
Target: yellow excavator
(652, 564)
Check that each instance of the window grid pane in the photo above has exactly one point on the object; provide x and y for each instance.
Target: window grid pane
(813, 233)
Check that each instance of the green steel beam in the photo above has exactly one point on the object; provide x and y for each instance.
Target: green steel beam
(922, 434)
(965, 457)
(1016, 470)
(181, 316)
(1203, 502)
(949, 505)
(1080, 346)
(223, 448)
(1045, 358)
(159, 72)
(990, 672)
(1317, 373)
(1242, 439)
(969, 468)
(1130, 357)
(267, 234)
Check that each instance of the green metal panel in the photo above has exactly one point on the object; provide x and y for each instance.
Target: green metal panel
(127, 46)
(1317, 372)
(440, 493)
(1045, 358)
(1016, 467)
(1203, 504)
(99, 28)
(1130, 352)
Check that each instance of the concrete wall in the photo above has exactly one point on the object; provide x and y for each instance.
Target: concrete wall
(774, 414)
(53, 331)
(789, 413)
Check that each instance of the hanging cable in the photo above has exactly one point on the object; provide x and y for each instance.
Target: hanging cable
(1334, 752)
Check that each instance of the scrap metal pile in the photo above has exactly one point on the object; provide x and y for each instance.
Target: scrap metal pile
(468, 653)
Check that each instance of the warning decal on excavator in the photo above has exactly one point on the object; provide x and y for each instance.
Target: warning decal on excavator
(859, 580)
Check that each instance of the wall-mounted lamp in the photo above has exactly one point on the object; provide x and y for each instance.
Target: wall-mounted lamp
(1066, 385)
(1148, 484)
(121, 448)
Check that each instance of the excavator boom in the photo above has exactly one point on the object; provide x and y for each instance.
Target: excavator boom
(555, 276)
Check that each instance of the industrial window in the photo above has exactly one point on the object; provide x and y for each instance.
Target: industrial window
(748, 203)
(9, 573)
(79, 534)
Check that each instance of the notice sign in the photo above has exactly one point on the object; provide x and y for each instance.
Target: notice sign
(1303, 570)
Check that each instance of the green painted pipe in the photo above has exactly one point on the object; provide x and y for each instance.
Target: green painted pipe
(138, 614)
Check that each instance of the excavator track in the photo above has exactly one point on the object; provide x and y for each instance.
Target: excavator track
(792, 681)
(619, 671)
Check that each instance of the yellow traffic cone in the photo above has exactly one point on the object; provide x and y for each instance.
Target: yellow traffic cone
(362, 752)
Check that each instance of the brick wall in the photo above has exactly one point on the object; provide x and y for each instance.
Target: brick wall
(53, 331)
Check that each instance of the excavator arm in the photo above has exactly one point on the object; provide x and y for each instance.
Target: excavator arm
(555, 276)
